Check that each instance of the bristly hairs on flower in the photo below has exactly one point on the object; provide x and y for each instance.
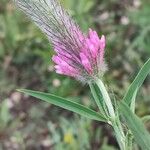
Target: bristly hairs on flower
(77, 55)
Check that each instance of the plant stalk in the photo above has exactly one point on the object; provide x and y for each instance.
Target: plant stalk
(106, 98)
(114, 119)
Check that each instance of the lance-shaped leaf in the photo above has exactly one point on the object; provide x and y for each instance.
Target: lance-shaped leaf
(130, 96)
(136, 126)
(146, 119)
(98, 98)
(66, 104)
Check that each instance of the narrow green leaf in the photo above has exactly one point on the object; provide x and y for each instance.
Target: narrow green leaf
(132, 105)
(132, 91)
(136, 126)
(146, 118)
(66, 104)
(98, 98)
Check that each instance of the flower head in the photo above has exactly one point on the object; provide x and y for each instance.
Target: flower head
(77, 55)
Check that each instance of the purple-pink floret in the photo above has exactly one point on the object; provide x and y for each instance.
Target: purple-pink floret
(77, 55)
(87, 60)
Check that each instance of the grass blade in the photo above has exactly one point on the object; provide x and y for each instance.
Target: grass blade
(66, 104)
(129, 97)
(135, 124)
(146, 119)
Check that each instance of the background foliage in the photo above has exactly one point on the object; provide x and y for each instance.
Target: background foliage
(25, 61)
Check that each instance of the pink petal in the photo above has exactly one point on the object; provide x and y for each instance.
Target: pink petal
(56, 59)
(102, 47)
(102, 42)
(86, 62)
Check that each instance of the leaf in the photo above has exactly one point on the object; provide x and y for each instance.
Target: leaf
(66, 104)
(98, 98)
(146, 118)
(129, 97)
(136, 126)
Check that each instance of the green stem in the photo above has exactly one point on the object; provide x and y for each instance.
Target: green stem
(119, 135)
(106, 98)
(115, 121)
(129, 140)
(99, 99)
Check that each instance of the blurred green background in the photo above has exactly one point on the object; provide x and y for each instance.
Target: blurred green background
(25, 62)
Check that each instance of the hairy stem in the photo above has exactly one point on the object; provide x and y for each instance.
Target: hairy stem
(114, 119)
(106, 98)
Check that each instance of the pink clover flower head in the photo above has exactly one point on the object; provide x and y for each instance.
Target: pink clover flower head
(77, 55)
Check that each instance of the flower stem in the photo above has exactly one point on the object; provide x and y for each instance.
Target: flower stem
(119, 135)
(129, 139)
(106, 98)
(114, 119)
